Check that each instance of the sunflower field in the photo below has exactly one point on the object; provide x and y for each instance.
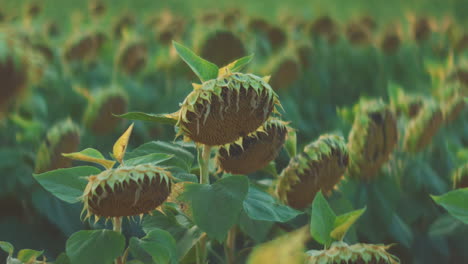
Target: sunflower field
(268, 132)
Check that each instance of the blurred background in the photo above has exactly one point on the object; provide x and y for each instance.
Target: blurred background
(66, 66)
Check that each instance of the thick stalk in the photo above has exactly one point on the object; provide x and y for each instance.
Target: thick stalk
(117, 227)
(230, 246)
(204, 152)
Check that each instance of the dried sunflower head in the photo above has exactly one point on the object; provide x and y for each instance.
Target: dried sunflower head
(421, 29)
(132, 56)
(286, 70)
(423, 127)
(99, 116)
(277, 37)
(220, 46)
(126, 191)
(391, 40)
(255, 151)
(320, 167)
(372, 139)
(460, 177)
(340, 253)
(64, 137)
(325, 27)
(84, 47)
(357, 34)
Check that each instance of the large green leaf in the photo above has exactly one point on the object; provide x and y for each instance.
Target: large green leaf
(259, 205)
(255, 229)
(288, 248)
(216, 207)
(167, 119)
(344, 222)
(67, 184)
(204, 69)
(159, 220)
(322, 220)
(95, 247)
(159, 244)
(155, 158)
(91, 155)
(7, 247)
(239, 64)
(455, 202)
(182, 157)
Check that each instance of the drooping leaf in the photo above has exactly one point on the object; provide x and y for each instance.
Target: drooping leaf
(237, 65)
(66, 184)
(28, 255)
(344, 222)
(204, 69)
(455, 202)
(225, 197)
(168, 119)
(182, 158)
(288, 248)
(259, 205)
(91, 155)
(155, 158)
(7, 247)
(160, 245)
(120, 146)
(322, 220)
(291, 143)
(95, 247)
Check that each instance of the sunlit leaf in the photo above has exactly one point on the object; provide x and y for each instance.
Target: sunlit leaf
(67, 184)
(322, 220)
(288, 248)
(28, 255)
(91, 155)
(95, 247)
(155, 158)
(204, 69)
(344, 222)
(236, 65)
(121, 144)
(7, 247)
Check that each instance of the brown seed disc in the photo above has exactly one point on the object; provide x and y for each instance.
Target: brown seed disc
(105, 121)
(222, 48)
(391, 42)
(129, 199)
(14, 81)
(326, 28)
(256, 152)
(286, 73)
(370, 153)
(236, 114)
(421, 29)
(81, 50)
(277, 37)
(258, 25)
(357, 34)
(69, 143)
(133, 58)
(319, 175)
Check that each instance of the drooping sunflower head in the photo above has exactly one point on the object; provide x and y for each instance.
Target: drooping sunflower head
(325, 27)
(96, 8)
(123, 23)
(391, 40)
(423, 127)
(368, 22)
(99, 116)
(126, 191)
(285, 71)
(421, 29)
(220, 46)
(255, 151)
(222, 110)
(372, 139)
(340, 252)
(132, 56)
(358, 34)
(84, 47)
(460, 177)
(277, 37)
(64, 137)
(319, 167)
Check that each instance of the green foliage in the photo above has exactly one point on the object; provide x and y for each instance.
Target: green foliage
(159, 244)
(225, 197)
(204, 69)
(66, 184)
(7, 247)
(455, 203)
(157, 118)
(95, 247)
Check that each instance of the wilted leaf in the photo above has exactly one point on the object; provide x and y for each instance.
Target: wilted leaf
(120, 145)
(91, 155)
(288, 248)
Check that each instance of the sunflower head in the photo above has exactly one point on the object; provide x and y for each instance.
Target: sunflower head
(421, 29)
(391, 40)
(220, 46)
(341, 252)
(319, 167)
(372, 139)
(255, 151)
(64, 137)
(358, 34)
(84, 47)
(325, 27)
(286, 70)
(132, 57)
(126, 191)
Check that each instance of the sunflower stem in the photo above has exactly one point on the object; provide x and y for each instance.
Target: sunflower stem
(203, 161)
(230, 246)
(117, 227)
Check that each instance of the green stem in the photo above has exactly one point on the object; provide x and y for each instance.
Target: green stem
(230, 246)
(117, 227)
(203, 162)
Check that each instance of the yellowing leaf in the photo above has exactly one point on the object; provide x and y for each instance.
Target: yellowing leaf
(288, 248)
(90, 155)
(344, 222)
(120, 145)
